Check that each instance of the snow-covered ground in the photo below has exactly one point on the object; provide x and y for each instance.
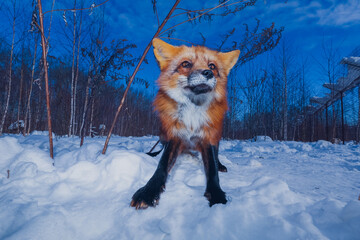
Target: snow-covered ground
(276, 190)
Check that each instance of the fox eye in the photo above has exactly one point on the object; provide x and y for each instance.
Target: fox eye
(186, 64)
(212, 66)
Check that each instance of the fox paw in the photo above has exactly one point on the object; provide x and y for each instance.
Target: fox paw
(215, 196)
(145, 197)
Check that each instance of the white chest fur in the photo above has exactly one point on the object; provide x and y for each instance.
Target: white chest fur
(193, 116)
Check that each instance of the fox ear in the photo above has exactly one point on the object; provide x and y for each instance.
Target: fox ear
(163, 52)
(229, 59)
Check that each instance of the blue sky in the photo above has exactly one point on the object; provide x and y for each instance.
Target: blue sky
(308, 25)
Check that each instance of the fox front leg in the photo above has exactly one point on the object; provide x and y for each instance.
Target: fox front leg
(149, 195)
(213, 191)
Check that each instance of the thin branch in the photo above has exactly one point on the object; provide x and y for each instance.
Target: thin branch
(155, 11)
(76, 9)
(157, 17)
(186, 11)
(211, 9)
(52, 8)
(134, 73)
(178, 39)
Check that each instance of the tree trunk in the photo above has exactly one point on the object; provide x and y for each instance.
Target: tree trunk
(38, 111)
(273, 109)
(72, 110)
(333, 132)
(92, 116)
(75, 127)
(285, 102)
(10, 76)
(326, 123)
(44, 54)
(82, 132)
(312, 127)
(20, 93)
(27, 119)
(294, 132)
(342, 118)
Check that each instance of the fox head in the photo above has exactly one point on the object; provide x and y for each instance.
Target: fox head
(193, 73)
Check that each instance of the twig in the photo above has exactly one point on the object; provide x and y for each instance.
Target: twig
(178, 39)
(156, 12)
(211, 9)
(134, 73)
(76, 9)
(52, 8)
(201, 10)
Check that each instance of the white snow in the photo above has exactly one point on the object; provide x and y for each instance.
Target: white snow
(276, 190)
(15, 125)
(352, 59)
(262, 139)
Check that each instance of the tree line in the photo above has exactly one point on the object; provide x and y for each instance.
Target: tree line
(272, 97)
(88, 76)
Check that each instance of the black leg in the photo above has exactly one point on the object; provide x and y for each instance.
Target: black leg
(149, 195)
(221, 167)
(213, 190)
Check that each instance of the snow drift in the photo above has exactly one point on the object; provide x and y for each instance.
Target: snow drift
(276, 190)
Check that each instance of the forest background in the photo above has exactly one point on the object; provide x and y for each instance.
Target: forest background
(289, 50)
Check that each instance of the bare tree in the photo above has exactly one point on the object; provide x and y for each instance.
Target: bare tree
(285, 60)
(304, 98)
(330, 67)
(44, 59)
(13, 13)
(20, 90)
(72, 114)
(77, 70)
(74, 70)
(94, 57)
(27, 119)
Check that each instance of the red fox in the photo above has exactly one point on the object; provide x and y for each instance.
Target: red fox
(191, 104)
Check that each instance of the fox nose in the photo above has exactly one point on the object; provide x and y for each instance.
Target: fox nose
(208, 74)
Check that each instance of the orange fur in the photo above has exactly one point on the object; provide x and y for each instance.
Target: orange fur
(191, 104)
(170, 59)
(167, 107)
